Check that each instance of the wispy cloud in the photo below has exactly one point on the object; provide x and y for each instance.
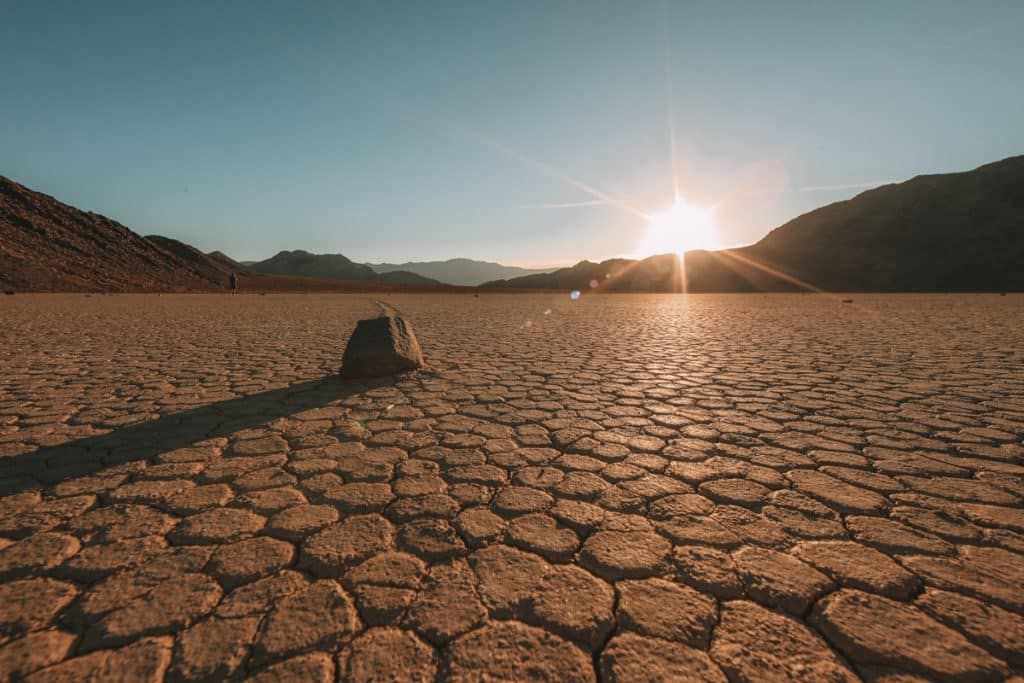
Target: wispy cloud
(846, 186)
(572, 205)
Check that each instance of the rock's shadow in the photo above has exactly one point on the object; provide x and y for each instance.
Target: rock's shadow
(143, 441)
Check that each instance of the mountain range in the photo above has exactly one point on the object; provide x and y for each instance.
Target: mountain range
(944, 232)
(951, 232)
(458, 271)
(46, 245)
(305, 264)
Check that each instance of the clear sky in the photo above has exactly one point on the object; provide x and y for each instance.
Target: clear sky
(424, 130)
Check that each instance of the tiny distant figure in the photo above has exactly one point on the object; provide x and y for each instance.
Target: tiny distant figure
(233, 283)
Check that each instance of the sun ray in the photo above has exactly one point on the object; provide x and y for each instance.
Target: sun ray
(774, 272)
(678, 275)
(549, 170)
(683, 285)
(611, 278)
(566, 205)
(670, 106)
(754, 263)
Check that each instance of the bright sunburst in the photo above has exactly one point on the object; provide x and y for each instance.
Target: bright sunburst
(681, 228)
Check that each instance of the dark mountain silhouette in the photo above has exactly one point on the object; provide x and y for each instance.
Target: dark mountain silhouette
(299, 262)
(653, 274)
(458, 271)
(954, 232)
(404, 277)
(573, 277)
(304, 263)
(47, 245)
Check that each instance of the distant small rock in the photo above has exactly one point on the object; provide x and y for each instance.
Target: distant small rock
(847, 301)
(9, 292)
(381, 346)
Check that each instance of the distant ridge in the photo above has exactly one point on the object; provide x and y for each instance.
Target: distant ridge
(404, 277)
(299, 262)
(951, 232)
(660, 273)
(458, 271)
(304, 263)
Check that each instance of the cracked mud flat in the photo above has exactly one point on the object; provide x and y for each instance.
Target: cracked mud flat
(625, 488)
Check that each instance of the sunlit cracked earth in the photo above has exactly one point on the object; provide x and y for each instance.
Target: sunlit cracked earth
(624, 488)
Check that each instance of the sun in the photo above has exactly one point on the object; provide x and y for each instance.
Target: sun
(680, 228)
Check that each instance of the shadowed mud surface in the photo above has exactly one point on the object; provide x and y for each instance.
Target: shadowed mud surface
(619, 488)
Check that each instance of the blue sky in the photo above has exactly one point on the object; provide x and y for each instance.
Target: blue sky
(413, 131)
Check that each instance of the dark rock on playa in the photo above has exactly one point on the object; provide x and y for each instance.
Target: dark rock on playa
(381, 346)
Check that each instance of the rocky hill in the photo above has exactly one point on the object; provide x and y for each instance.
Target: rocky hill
(46, 245)
(205, 265)
(952, 232)
(458, 271)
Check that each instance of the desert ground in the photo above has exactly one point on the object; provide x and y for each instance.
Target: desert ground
(623, 488)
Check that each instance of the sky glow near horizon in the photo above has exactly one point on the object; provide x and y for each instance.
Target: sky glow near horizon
(529, 134)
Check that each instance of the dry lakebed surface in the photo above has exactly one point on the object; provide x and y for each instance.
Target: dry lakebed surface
(617, 488)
